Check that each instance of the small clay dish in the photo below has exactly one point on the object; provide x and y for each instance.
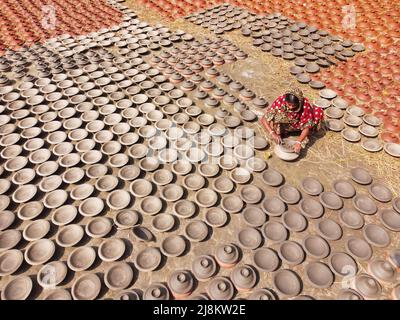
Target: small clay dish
(272, 177)
(372, 120)
(232, 204)
(162, 177)
(380, 192)
(316, 247)
(7, 218)
(294, 221)
(251, 194)
(181, 167)
(196, 231)
(98, 227)
(55, 199)
(256, 164)
(376, 235)
(223, 184)
(364, 204)
(311, 208)
(266, 259)
(291, 253)
(372, 145)
(331, 200)
(19, 288)
(342, 264)
(287, 283)
(216, 217)
(69, 235)
(111, 249)
(329, 229)
(358, 248)
(172, 192)
(91, 207)
(86, 287)
(206, 197)
(343, 188)
(351, 135)
(10, 261)
(240, 175)
(392, 148)
(184, 208)
(126, 219)
(289, 194)
(274, 232)
(24, 193)
(361, 176)
(141, 188)
(58, 271)
(328, 94)
(39, 252)
(390, 219)
(351, 218)
(96, 171)
(249, 238)
(208, 169)
(118, 276)
(173, 246)
(368, 131)
(254, 216)
(30, 210)
(319, 275)
(273, 206)
(163, 222)
(355, 111)
(36, 230)
(334, 113)
(151, 205)
(312, 186)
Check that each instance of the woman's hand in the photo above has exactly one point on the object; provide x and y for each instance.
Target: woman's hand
(276, 137)
(297, 147)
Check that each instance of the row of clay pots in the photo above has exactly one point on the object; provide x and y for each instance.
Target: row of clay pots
(392, 134)
(72, 17)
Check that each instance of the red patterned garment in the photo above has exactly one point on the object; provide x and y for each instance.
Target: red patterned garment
(307, 117)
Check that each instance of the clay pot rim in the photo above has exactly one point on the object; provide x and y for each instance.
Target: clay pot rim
(105, 221)
(366, 256)
(179, 241)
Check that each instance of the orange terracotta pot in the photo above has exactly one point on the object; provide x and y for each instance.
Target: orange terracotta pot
(389, 137)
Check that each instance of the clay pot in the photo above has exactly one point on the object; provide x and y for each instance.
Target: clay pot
(18, 288)
(220, 288)
(204, 267)
(181, 284)
(287, 282)
(86, 287)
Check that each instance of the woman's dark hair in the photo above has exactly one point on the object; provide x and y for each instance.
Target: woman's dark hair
(293, 100)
